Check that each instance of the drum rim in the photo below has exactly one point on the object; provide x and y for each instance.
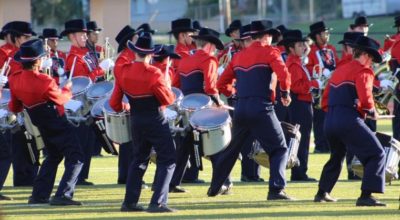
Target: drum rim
(116, 114)
(85, 89)
(185, 108)
(101, 108)
(210, 128)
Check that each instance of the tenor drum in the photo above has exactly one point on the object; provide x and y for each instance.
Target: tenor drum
(392, 159)
(192, 103)
(178, 99)
(214, 126)
(118, 124)
(292, 136)
(98, 91)
(5, 99)
(171, 116)
(80, 85)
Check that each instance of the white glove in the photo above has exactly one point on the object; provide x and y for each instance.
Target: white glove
(107, 64)
(320, 83)
(327, 73)
(386, 57)
(3, 80)
(60, 71)
(304, 60)
(47, 63)
(220, 70)
(385, 84)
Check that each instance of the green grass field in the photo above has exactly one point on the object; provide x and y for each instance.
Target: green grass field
(248, 200)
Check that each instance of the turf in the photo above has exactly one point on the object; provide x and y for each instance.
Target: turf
(248, 200)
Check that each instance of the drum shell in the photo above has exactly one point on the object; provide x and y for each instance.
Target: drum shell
(5, 98)
(81, 95)
(178, 99)
(187, 111)
(118, 127)
(215, 140)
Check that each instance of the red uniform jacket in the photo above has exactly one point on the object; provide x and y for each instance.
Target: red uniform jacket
(325, 57)
(351, 86)
(29, 89)
(6, 51)
(253, 70)
(396, 51)
(183, 51)
(14, 65)
(126, 56)
(301, 79)
(84, 66)
(197, 74)
(163, 66)
(234, 49)
(346, 58)
(388, 43)
(141, 80)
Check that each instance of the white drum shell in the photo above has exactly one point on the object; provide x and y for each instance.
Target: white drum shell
(214, 141)
(80, 86)
(187, 110)
(118, 125)
(98, 91)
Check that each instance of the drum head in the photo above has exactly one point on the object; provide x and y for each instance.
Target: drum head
(80, 84)
(99, 90)
(5, 97)
(178, 94)
(195, 101)
(170, 114)
(107, 107)
(97, 110)
(209, 118)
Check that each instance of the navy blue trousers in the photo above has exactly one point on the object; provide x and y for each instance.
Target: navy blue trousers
(320, 141)
(301, 113)
(124, 160)
(150, 129)
(24, 171)
(87, 140)
(254, 117)
(345, 130)
(5, 157)
(183, 149)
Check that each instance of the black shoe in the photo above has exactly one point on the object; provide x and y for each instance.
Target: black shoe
(196, 181)
(160, 208)
(176, 189)
(33, 201)
(223, 190)
(84, 183)
(303, 179)
(121, 182)
(2, 197)
(278, 195)
(63, 201)
(352, 176)
(247, 179)
(368, 201)
(131, 208)
(144, 186)
(325, 197)
(227, 190)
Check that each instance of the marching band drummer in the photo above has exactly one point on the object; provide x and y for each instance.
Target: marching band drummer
(389, 41)
(198, 74)
(254, 112)
(58, 57)
(40, 96)
(360, 25)
(324, 55)
(126, 56)
(348, 100)
(161, 59)
(147, 92)
(300, 109)
(233, 32)
(395, 65)
(96, 52)
(182, 30)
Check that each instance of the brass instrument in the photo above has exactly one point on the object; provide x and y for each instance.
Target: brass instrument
(48, 56)
(383, 97)
(107, 52)
(317, 94)
(224, 61)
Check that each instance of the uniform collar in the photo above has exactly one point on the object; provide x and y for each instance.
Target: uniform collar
(294, 59)
(78, 50)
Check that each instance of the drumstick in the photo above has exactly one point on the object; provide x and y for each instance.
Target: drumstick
(72, 69)
(227, 107)
(381, 117)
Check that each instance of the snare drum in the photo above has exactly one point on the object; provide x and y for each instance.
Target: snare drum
(5, 99)
(80, 85)
(178, 99)
(98, 91)
(292, 136)
(118, 124)
(171, 116)
(214, 126)
(392, 152)
(192, 103)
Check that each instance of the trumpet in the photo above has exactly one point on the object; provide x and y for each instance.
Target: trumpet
(5, 69)
(383, 97)
(224, 61)
(108, 53)
(48, 56)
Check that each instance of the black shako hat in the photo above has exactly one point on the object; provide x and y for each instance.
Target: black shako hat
(145, 27)
(210, 35)
(318, 27)
(292, 36)
(5, 30)
(30, 51)
(21, 27)
(143, 45)
(182, 25)
(123, 36)
(360, 21)
(74, 26)
(370, 46)
(235, 25)
(263, 27)
(245, 32)
(92, 26)
(50, 33)
(196, 25)
(350, 37)
(166, 51)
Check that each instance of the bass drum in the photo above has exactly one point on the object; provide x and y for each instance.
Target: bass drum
(118, 124)
(292, 136)
(214, 126)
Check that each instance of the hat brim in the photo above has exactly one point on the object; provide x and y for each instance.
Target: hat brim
(72, 30)
(97, 29)
(179, 30)
(376, 56)
(52, 37)
(124, 40)
(287, 41)
(171, 55)
(143, 50)
(17, 57)
(271, 31)
(229, 30)
(319, 31)
(17, 32)
(216, 41)
(345, 42)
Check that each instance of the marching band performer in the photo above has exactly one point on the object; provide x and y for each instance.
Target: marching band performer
(360, 25)
(95, 51)
(349, 39)
(254, 113)
(126, 56)
(390, 40)
(58, 57)
(161, 59)
(348, 100)
(233, 32)
(197, 74)
(40, 96)
(395, 65)
(146, 28)
(182, 30)
(7, 49)
(147, 92)
(323, 55)
(300, 108)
